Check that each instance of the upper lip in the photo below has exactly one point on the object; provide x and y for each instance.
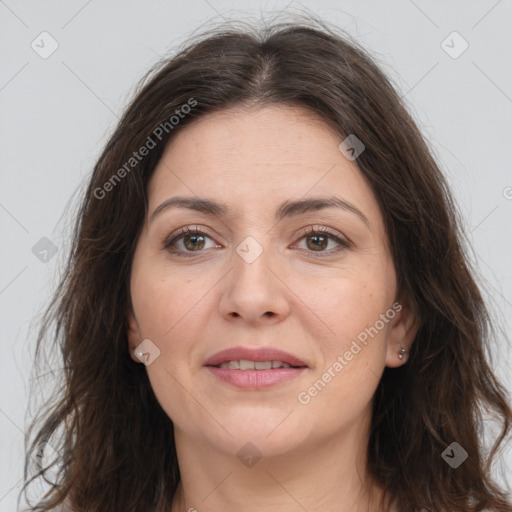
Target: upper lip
(253, 354)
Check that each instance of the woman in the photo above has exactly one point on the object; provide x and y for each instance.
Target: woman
(268, 305)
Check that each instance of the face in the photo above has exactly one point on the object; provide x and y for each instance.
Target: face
(317, 283)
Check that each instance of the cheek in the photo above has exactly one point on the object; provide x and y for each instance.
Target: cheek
(352, 342)
(171, 309)
(164, 298)
(343, 304)
(353, 354)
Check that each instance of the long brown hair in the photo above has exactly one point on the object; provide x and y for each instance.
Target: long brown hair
(115, 443)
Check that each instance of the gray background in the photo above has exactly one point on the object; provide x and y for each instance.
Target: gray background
(57, 112)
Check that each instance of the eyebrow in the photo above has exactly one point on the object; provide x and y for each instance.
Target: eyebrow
(286, 209)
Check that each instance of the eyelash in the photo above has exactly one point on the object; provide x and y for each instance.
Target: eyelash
(171, 240)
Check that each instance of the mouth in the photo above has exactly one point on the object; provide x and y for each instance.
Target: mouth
(244, 365)
(254, 359)
(254, 369)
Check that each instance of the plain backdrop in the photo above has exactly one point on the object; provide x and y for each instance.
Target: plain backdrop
(450, 60)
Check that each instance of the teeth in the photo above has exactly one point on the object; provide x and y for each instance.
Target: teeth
(263, 365)
(244, 364)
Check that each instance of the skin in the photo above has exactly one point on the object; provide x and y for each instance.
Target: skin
(290, 297)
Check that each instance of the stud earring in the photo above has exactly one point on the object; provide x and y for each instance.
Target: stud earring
(402, 353)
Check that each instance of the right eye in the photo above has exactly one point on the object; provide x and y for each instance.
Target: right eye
(192, 240)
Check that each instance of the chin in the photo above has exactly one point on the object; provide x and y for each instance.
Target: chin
(273, 432)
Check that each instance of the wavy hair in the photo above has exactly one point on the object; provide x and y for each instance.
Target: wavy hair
(440, 396)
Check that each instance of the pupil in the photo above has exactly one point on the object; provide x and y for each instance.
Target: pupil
(323, 245)
(194, 238)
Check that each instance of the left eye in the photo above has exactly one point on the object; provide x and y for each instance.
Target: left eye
(194, 240)
(318, 239)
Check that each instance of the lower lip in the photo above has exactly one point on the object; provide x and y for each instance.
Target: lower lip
(255, 379)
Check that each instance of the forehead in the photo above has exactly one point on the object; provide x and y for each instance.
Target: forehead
(270, 136)
(257, 158)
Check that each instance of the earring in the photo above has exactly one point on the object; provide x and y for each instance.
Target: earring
(402, 353)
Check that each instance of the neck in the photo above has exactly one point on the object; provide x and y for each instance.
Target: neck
(328, 475)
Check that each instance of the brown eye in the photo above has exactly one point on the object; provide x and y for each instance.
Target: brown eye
(186, 241)
(193, 241)
(317, 240)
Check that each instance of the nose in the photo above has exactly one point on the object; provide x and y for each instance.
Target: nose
(254, 291)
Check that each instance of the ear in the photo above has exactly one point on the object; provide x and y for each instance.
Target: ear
(133, 335)
(403, 329)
